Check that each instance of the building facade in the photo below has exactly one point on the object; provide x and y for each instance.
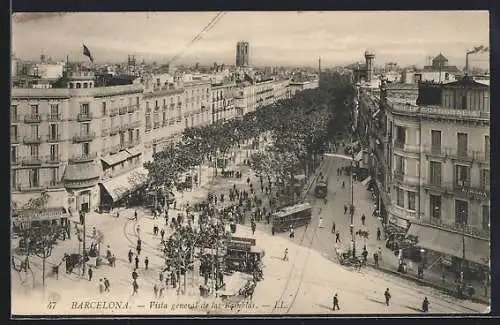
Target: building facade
(250, 96)
(223, 101)
(197, 97)
(432, 160)
(66, 140)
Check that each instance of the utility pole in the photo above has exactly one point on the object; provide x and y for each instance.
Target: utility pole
(82, 221)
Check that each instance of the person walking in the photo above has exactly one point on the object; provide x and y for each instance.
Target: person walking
(135, 288)
(425, 305)
(292, 232)
(285, 256)
(90, 272)
(146, 262)
(345, 209)
(336, 302)
(387, 296)
(379, 234)
(162, 233)
(135, 215)
(101, 286)
(380, 254)
(363, 218)
(273, 230)
(333, 228)
(138, 231)
(130, 255)
(137, 262)
(106, 285)
(337, 237)
(155, 290)
(253, 227)
(138, 250)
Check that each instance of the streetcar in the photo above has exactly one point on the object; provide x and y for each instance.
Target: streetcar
(295, 215)
(321, 189)
(243, 256)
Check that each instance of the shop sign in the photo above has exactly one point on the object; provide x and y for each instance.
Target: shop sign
(474, 193)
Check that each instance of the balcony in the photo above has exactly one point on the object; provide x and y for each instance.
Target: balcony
(122, 110)
(104, 132)
(454, 153)
(54, 117)
(406, 179)
(464, 188)
(52, 159)
(84, 117)
(467, 229)
(114, 130)
(436, 185)
(131, 108)
(84, 137)
(83, 157)
(56, 137)
(32, 118)
(32, 139)
(32, 160)
(113, 112)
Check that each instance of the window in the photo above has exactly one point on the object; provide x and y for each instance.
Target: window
(54, 110)
(85, 128)
(164, 102)
(130, 136)
(462, 175)
(85, 85)
(400, 197)
(53, 152)
(13, 110)
(400, 165)
(137, 134)
(400, 136)
(84, 109)
(104, 112)
(487, 146)
(148, 122)
(53, 131)
(34, 178)
(13, 131)
(485, 179)
(34, 109)
(486, 217)
(86, 148)
(34, 150)
(435, 205)
(435, 172)
(164, 117)
(436, 141)
(137, 100)
(156, 104)
(13, 154)
(54, 175)
(461, 212)
(411, 200)
(122, 139)
(462, 144)
(13, 177)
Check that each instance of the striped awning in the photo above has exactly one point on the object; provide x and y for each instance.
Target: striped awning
(117, 158)
(120, 186)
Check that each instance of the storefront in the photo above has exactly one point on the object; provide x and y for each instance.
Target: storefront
(457, 249)
(115, 190)
(80, 181)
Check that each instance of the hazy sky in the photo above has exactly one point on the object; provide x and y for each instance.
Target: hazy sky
(285, 38)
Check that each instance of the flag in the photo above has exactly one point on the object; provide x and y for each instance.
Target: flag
(86, 52)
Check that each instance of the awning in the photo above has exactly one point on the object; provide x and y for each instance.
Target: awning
(366, 180)
(116, 158)
(450, 243)
(121, 185)
(134, 151)
(82, 171)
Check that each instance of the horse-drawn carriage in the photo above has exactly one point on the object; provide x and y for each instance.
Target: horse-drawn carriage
(347, 259)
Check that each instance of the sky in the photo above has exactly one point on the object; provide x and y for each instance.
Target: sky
(276, 38)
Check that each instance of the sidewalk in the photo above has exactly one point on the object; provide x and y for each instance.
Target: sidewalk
(389, 263)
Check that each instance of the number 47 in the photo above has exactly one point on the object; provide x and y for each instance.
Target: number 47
(51, 305)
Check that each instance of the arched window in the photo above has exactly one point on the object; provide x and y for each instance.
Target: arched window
(71, 85)
(78, 85)
(85, 85)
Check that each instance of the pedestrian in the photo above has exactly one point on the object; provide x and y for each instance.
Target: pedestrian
(273, 230)
(155, 215)
(336, 302)
(135, 215)
(292, 233)
(138, 250)
(130, 255)
(387, 296)
(365, 255)
(253, 228)
(146, 262)
(90, 272)
(285, 256)
(155, 290)
(94, 232)
(138, 231)
(136, 262)
(113, 260)
(135, 287)
(345, 209)
(343, 184)
(101, 286)
(425, 305)
(337, 237)
(161, 276)
(375, 258)
(379, 233)
(363, 218)
(380, 254)
(333, 228)
(106, 285)
(162, 233)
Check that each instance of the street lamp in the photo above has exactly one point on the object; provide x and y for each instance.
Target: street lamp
(82, 221)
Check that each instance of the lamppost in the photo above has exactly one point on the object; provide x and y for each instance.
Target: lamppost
(84, 254)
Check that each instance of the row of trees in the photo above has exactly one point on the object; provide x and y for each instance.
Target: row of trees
(299, 127)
